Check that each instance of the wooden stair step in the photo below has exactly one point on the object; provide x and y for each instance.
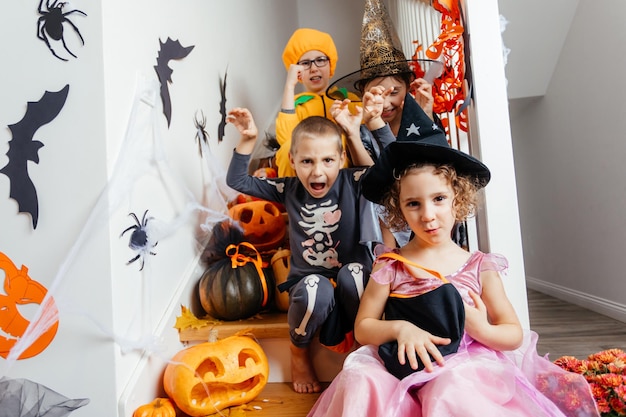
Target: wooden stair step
(262, 326)
(278, 399)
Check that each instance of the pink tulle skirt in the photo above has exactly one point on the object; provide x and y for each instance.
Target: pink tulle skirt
(475, 381)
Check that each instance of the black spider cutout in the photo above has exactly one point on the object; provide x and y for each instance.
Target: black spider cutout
(50, 24)
(201, 133)
(139, 238)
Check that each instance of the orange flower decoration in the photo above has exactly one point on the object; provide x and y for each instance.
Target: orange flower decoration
(606, 373)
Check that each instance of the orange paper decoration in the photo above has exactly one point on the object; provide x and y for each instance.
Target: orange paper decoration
(20, 289)
(449, 89)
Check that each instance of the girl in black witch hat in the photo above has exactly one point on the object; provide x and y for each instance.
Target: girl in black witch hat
(396, 95)
(440, 337)
(405, 84)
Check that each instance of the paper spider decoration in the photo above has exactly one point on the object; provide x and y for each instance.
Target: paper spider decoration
(51, 25)
(139, 240)
(201, 133)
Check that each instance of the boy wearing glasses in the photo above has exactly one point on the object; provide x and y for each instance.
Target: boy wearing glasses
(310, 58)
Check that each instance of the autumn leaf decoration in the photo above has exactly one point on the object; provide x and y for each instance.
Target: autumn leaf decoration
(188, 320)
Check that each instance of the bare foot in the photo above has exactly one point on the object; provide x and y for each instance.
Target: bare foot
(303, 375)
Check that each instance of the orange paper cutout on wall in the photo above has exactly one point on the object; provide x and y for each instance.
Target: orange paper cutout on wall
(20, 289)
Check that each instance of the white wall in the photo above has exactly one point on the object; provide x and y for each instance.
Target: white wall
(106, 307)
(569, 147)
(535, 33)
(68, 178)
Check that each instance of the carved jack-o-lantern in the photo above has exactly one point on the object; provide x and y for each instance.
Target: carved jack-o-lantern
(263, 224)
(206, 378)
(20, 289)
(266, 172)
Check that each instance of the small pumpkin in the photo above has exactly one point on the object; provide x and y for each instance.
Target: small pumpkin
(263, 224)
(208, 377)
(280, 267)
(235, 287)
(160, 407)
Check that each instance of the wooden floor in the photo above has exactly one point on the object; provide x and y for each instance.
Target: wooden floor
(564, 330)
(568, 330)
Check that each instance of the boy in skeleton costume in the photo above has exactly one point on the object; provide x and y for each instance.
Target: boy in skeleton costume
(329, 267)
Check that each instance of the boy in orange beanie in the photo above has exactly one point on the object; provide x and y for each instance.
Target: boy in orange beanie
(310, 57)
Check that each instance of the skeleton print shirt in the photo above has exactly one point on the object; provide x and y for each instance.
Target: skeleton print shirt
(324, 233)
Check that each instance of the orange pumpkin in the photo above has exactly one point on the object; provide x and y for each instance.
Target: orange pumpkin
(263, 224)
(160, 407)
(21, 290)
(266, 172)
(280, 267)
(206, 378)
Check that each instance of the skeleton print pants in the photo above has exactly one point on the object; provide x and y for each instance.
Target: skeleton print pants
(315, 303)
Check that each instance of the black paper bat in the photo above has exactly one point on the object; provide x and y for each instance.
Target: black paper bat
(168, 51)
(222, 126)
(22, 148)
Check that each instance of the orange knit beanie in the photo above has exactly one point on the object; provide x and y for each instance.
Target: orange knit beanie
(304, 40)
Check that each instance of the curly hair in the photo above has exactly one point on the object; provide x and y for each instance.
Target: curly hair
(464, 188)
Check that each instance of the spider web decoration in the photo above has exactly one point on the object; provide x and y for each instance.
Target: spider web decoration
(137, 159)
(217, 193)
(53, 24)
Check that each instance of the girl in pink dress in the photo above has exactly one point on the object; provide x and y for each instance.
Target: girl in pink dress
(470, 357)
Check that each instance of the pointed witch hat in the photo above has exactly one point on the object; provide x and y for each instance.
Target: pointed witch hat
(422, 142)
(434, 149)
(380, 55)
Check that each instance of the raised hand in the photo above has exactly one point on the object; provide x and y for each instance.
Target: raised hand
(422, 90)
(373, 105)
(347, 120)
(242, 119)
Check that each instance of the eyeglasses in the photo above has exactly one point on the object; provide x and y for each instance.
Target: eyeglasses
(320, 62)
